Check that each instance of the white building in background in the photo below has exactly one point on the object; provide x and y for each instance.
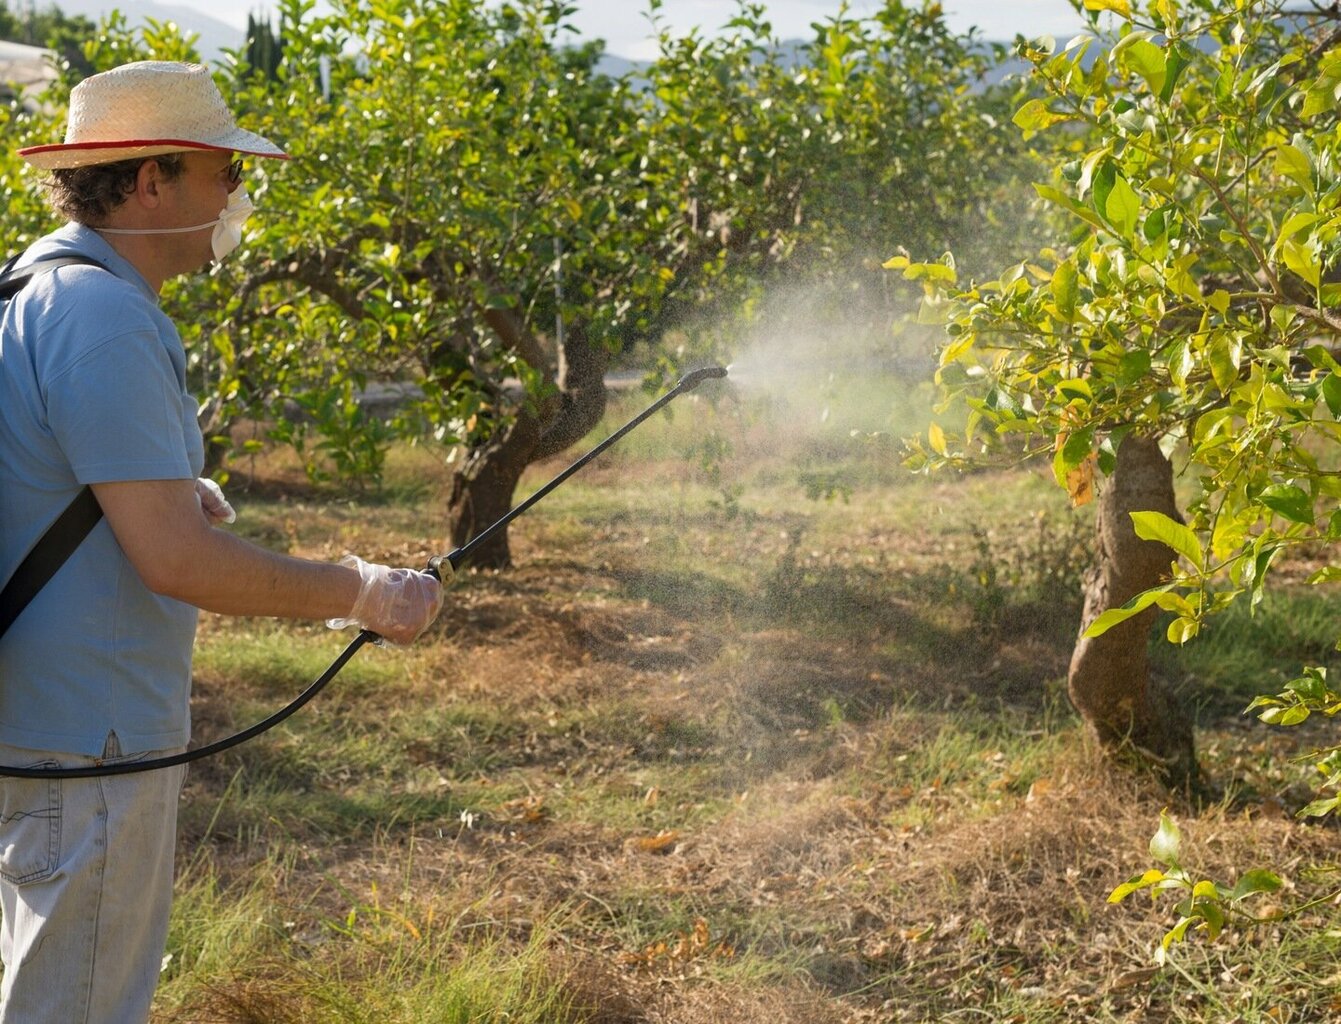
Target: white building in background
(25, 70)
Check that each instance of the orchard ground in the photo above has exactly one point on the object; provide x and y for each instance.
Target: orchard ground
(761, 728)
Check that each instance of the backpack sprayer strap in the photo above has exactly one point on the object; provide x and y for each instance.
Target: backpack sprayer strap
(48, 555)
(79, 517)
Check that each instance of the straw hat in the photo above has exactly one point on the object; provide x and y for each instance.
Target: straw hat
(144, 109)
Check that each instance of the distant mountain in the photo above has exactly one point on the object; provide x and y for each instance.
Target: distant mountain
(214, 35)
(614, 66)
(791, 49)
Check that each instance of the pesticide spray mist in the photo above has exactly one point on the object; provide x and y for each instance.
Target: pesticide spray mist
(820, 377)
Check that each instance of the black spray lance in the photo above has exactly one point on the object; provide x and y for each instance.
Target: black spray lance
(434, 567)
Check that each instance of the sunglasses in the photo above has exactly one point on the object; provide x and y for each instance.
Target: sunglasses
(235, 172)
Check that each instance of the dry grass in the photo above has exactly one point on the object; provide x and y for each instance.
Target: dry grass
(707, 770)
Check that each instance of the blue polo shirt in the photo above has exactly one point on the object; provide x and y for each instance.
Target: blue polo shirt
(92, 390)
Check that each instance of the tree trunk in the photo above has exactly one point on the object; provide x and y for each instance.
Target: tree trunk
(482, 491)
(1109, 681)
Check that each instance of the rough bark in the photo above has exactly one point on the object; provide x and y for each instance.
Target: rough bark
(1110, 682)
(482, 491)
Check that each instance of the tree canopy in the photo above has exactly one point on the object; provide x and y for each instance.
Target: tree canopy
(1191, 297)
(471, 203)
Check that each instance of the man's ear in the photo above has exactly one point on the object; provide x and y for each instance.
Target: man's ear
(149, 183)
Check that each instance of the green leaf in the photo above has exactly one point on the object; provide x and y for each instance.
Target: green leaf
(1065, 288)
(1078, 447)
(1294, 163)
(1296, 223)
(1303, 259)
(1174, 66)
(1155, 224)
(1178, 932)
(1122, 207)
(1113, 616)
(1211, 913)
(1159, 527)
(1165, 843)
(1320, 807)
(1061, 199)
(1331, 393)
(1075, 388)
(1147, 60)
(1285, 716)
(1312, 685)
(1289, 502)
(1070, 454)
(1179, 359)
(1224, 353)
(1133, 367)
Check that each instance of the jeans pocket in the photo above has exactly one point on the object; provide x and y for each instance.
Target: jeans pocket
(30, 827)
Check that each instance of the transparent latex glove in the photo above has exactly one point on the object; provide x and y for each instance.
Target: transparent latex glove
(396, 604)
(213, 503)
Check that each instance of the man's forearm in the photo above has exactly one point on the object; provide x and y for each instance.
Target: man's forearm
(168, 539)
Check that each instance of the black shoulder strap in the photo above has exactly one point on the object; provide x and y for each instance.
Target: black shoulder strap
(48, 555)
(71, 527)
(12, 285)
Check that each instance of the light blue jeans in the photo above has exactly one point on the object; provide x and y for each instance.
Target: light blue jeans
(85, 889)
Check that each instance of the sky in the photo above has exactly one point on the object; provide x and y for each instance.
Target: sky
(623, 23)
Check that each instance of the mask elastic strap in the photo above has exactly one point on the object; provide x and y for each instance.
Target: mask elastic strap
(157, 231)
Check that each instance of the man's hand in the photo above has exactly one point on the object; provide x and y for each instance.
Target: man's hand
(213, 503)
(396, 604)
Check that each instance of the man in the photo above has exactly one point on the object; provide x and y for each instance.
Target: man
(92, 391)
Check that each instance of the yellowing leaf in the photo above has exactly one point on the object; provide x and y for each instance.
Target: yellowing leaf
(1294, 164)
(1181, 630)
(1166, 11)
(662, 842)
(1035, 115)
(1303, 260)
(957, 348)
(1122, 7)
(1080, 482)
(936, 438)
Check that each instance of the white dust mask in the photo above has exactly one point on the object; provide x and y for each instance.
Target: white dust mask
(227, 234)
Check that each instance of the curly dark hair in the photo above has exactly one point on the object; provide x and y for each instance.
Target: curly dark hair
(88, 194)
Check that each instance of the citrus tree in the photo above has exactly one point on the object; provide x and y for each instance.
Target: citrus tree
(462, 210)
(1184, 316)
(793, 163)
